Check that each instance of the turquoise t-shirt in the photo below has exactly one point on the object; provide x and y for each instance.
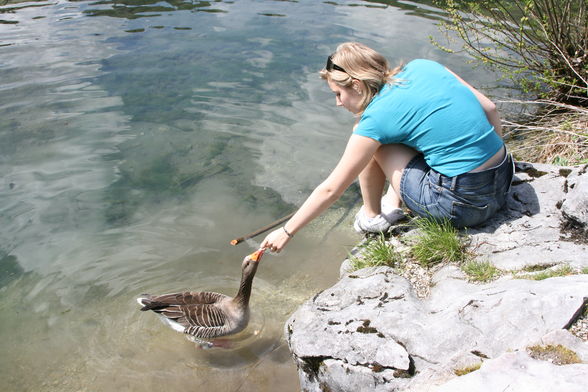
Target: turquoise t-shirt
(430, 110)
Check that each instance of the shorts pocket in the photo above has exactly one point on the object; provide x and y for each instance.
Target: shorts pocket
(463, 214)
(475, 191)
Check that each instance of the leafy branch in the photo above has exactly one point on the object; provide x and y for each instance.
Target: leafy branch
(541, 45)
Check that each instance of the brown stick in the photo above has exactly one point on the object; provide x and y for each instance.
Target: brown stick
(237, 241)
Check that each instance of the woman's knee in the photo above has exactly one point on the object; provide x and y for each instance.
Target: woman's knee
(393, 158)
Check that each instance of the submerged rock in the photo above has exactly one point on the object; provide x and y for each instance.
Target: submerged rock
(370, 331)
(10, 268)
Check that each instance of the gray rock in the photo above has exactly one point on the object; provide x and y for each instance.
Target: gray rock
(517, 371)
(371, 321)
(528, 231)
(575, 205)
(371, 332)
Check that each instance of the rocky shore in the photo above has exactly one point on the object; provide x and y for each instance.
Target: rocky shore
(378, 329)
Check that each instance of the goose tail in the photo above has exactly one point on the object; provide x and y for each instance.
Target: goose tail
(145, 300)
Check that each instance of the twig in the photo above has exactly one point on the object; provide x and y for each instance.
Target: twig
(237, 241)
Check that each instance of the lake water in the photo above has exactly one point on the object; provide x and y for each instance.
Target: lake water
(137, 138)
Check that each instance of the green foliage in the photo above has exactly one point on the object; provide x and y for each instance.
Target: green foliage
(559, 161)
(479, 271)
(542, 45)
(375, 252)
(437, 242)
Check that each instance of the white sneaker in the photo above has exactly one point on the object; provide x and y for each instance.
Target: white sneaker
(392, 214)
(364, 224)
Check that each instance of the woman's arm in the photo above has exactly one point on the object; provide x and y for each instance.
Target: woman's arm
(358, 153)
(488, 106)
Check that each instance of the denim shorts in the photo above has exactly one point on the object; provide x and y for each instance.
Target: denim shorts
(467, 199)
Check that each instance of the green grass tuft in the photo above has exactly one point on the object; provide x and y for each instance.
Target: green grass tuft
(480, 271)
(437, 242)
(375, 252)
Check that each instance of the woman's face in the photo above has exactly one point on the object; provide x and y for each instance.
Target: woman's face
(348, 97)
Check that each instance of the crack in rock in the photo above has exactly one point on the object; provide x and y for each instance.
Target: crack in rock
(581, 310)
(311, 366)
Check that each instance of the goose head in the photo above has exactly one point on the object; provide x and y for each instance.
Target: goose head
(250, 262)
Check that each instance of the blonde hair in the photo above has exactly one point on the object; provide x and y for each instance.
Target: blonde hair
(361, 63)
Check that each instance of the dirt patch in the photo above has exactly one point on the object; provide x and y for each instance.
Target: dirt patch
(574, 231)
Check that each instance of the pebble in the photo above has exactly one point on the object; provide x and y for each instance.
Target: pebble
(580, 328)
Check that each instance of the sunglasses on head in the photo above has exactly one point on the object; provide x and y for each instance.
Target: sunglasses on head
(332, 66)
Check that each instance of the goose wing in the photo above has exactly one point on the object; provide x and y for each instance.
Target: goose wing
(155, 302)
(199, 313)
(206, 321)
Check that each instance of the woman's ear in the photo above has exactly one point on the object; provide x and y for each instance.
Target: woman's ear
(356, 84)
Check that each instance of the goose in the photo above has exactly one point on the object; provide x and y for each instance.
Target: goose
(207, 315)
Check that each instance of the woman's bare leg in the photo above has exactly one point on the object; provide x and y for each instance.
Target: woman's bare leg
(388, 163)
(392, 159)
(372, 181)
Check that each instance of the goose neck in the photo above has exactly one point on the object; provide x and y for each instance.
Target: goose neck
(244, 292)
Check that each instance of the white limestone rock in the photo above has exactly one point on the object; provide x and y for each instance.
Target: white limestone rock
(371, 332)
(517, 371)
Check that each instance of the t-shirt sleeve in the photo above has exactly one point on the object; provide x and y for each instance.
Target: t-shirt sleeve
(368, 127)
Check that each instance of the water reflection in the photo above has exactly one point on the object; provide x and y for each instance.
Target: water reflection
(422, 8)
(131, 9)
(12, 6)
(164, 163)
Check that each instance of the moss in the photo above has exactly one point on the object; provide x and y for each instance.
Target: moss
(365, 327)
(558, 354)
(537, 267)
(563, 270)
(468, 369)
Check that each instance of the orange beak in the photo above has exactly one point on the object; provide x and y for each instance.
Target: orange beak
(255, 256)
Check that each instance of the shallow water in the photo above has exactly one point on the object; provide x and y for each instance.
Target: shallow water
(137, 138)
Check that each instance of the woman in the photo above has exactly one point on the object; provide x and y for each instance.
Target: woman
(435, 138)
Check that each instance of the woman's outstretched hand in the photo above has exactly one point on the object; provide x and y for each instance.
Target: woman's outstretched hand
(276, 240)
